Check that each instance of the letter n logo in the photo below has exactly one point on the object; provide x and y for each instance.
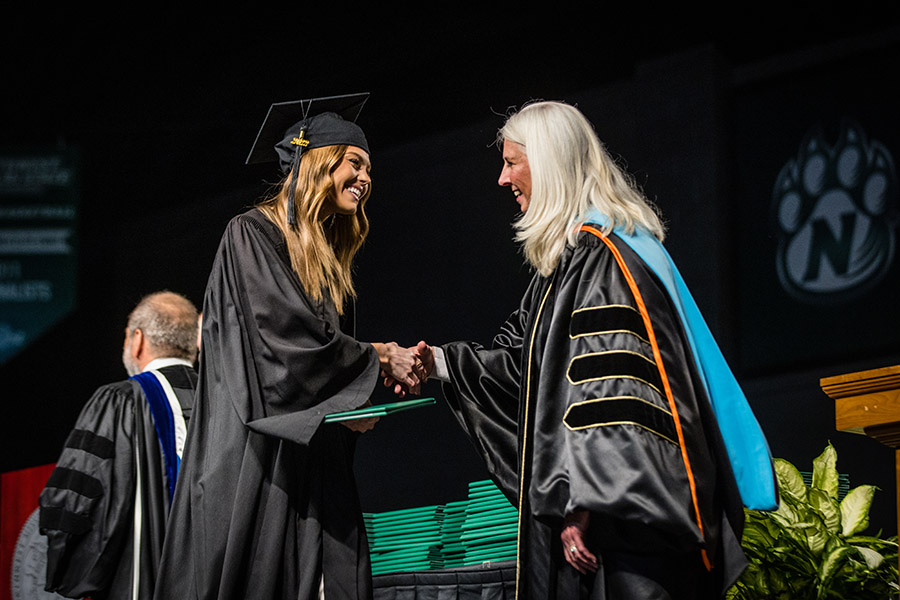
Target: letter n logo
(835, 211)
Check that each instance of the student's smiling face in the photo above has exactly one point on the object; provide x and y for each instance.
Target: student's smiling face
(351, 181)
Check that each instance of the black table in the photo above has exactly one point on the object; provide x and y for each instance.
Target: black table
(488, 581)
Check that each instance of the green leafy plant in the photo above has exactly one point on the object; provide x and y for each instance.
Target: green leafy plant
(812, 546)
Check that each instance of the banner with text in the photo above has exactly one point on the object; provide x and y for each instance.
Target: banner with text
(39, 196)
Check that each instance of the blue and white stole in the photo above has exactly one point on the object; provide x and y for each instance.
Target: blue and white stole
(748, 450)
(171, 432)
(168, 420)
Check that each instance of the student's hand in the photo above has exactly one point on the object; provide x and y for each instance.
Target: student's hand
(399, 366)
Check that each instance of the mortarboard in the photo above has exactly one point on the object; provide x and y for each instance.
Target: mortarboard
(291, 128)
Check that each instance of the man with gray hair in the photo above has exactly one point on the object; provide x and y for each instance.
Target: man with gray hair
(105, 505)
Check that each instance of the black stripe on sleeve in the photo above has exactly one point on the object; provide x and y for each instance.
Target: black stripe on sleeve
(622, 410)
(607, 319)
(616, 363)
(75, 481)
(82, 439)
(58, 519)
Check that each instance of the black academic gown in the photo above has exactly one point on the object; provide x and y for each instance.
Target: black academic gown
(266, 501)
(87, 509)
(572, 408)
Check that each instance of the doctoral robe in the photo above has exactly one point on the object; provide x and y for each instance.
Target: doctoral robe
(266, 501)
(590, 399)
(88, 509)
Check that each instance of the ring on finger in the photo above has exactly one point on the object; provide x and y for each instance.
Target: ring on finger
(572, 549)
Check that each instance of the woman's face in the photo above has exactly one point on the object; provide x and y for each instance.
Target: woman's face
(351, 181)
(516, 173)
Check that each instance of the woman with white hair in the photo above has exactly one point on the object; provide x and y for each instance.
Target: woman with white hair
(601, 407)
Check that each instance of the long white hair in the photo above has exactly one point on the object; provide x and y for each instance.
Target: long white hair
(571, 172)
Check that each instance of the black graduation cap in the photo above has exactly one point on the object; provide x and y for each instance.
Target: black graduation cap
(291, 128)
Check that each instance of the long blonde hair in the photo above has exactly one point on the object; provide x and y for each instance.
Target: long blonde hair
(570, 173)
(321, 252)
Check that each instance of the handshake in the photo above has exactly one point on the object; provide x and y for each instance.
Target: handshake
(405, 369)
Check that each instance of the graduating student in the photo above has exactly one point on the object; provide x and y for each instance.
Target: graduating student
(267, 504)
(105, 506)
(600, 408)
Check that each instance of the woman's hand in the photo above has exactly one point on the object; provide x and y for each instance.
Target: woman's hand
(422, 369)
(361, 425)
(399, 366)
(572, 537)
(425, 354)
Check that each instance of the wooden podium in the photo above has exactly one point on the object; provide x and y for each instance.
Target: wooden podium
(868, 402)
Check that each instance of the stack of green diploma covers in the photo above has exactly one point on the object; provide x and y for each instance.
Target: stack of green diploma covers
(469, 532)
(404, 540)
(483, 528)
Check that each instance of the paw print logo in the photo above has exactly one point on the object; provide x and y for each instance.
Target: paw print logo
(836, 213)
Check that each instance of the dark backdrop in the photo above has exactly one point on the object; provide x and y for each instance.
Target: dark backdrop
(162, 110)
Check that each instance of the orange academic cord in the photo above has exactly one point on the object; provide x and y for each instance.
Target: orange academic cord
(662, 372)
